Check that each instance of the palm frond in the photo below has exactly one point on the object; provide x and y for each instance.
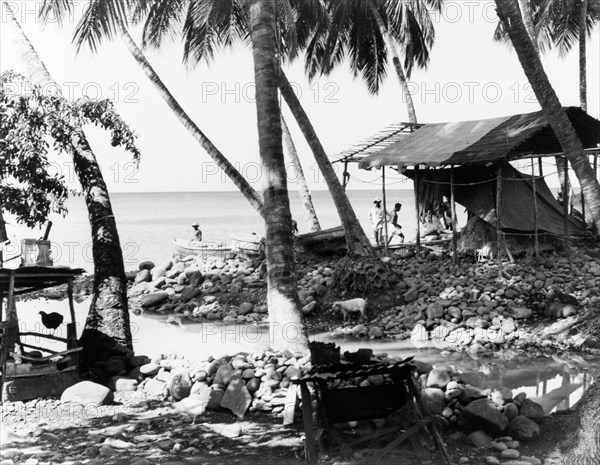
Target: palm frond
(163, 17)
(54, 10)
(100, 20)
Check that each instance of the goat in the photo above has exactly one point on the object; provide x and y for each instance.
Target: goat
(357, 305)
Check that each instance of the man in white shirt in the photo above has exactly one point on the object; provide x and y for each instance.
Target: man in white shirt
(377, 217)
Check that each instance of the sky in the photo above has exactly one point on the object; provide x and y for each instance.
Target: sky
(469, 77)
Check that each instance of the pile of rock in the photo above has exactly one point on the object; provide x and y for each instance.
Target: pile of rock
(459, 400)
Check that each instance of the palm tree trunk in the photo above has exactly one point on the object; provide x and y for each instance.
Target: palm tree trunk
(356, 240)
(309, 208)
(509, 13)
(222, 162)
(525, 8)
(287, 330)
(582, 55)
(107, 323)
(3, 233)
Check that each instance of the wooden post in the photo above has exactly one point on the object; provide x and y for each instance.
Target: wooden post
(498, 205)
(345, 175)
(453, 213)
(540, 166)
(416, 184)
(566, 201)
(309, 428)
(535, 211)
(385, 212)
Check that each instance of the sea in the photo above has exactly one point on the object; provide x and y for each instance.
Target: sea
(148, 222)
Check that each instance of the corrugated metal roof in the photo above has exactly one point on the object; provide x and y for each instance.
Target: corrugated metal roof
(481, 141)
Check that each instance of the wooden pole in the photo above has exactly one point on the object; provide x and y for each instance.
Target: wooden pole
(498, 204)
(596, 175)
(416, 184)
(566, 200)
(540, 166)
(453, 213)
(385, 212)
(535, 211)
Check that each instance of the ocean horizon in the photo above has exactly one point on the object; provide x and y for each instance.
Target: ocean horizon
(148, 222)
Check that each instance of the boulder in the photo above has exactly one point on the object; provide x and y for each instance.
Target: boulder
(531, 410)
(189, 293)
(146, 265)
(511, 410)
(438, 378)
(123, 384)
(214, 401)
(138, 361)
(482, 414)
(434, 400)
(116, 365)
(479, 438)
(245, 308)
(376, 332)
(521, 313)
(87, 393)
(154, 298)
(155, 387)
(523, 429)
(149, 369)
(237, 398)
(180, 386)
(224, 374)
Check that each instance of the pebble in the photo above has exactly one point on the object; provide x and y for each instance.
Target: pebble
(491, 460)
(509, 454)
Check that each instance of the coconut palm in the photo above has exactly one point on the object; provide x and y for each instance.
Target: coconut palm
(557, 24)
(107, 323)
(56, 9)
(207, 25)
(367, 32)
(254, 21)
(509, 14)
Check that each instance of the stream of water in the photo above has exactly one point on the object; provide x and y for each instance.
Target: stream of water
(556, 382)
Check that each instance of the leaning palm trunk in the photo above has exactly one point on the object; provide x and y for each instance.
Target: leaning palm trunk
(582, 55)
(107, 323)
(287, 330)
(509, 14)
(307, 203)
(356, 240)
(222, 162)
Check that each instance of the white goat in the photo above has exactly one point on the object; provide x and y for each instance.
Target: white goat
(357, 305)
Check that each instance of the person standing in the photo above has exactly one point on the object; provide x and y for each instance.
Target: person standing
(377, 217)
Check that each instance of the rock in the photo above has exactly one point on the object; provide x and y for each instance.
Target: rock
(531, 460)
(245, 308)
(434, 400)
(411, 295)
(376, 332)
(523, 429)
(511, 410)
(471, 393)
(510, 454)
(435, 310)
(149, 369)
(531, 410)
(143, 276)
(499, 446)
(154, 298)
(189, 293)
(253, 385)
(521, 313)
(231, 431)
(180, 386)
(479, 438)
(155, 387)
(490, 460)
(123, 384)
(474, 378)
(438, 378)
(214, 401)
(463, 460)
(309, 307)
(87, 393)
(237, 398)
(158, 272)
(146, 265)
(568, 310)
(138, 361)
(195, 278)
(481, 414)
(224, 374)
(359, 330)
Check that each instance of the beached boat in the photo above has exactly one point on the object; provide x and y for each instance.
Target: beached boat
(184, 247)
(247, 244)
(325, 241)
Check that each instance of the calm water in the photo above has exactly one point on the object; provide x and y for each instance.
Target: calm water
(147, 222)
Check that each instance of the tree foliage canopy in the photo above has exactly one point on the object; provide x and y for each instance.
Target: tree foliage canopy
(33, 124)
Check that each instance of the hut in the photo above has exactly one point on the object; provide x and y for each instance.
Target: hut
(469, 162)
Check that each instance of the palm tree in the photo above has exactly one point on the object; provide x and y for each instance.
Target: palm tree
(307, 203)
(107, 323)
(367, 31)
(59, 8)
(254, 19)
(509, 14)
(208, 24)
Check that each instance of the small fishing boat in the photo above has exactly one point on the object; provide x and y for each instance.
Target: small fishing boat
(247, 244)
(185, 247)
(325, 241)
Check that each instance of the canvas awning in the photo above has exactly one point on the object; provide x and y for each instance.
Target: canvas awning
(481, 141)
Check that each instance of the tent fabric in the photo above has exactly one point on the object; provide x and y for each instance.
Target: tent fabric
(478, 195)
(482, 141)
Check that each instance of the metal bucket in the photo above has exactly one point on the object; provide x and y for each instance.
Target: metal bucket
(35, 252)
